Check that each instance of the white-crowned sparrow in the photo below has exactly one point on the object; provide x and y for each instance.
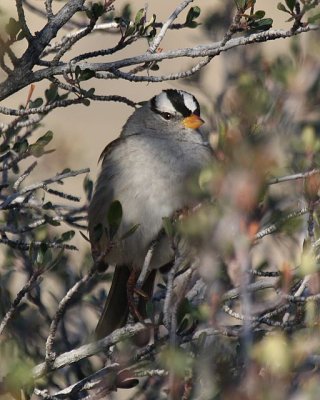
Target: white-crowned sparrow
(146, 169)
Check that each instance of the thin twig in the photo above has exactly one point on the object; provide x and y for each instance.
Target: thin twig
(157, 40)
(43, 109)
(26, 288)
(170, 77)
(50, 355)
(22, 245)
(281, 221)
(88, 383)
(22, 20)
(24, 175)
(88, 350)
(300, 175)
(168, 302)
(42, 184)
(48, 5)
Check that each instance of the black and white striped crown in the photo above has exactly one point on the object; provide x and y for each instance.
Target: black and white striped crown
(175, 102)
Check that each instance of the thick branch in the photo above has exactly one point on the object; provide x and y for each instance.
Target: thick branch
(23, 75)
(11, 85)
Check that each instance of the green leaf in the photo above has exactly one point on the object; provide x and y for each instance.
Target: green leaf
(88, 187)
(41, 251)
(97, 10)
(12, 28)
(90, 92)
(36, 103)
(47, 206)
(259, 14)
(192, 24)
(55, 261)
(265, 23)
(281, 7)
(130, 30)
(66, 236)
(139, 16)
(86, 102)
(186, 325)
(63, 96)
(262, 24)
(154, 67)
(20, 147)
(114, 217)
(86, 74)
(77, 72)
(130, 232)
(193, 13)
(51, 93)
(290, 4)
(150, 36)
(51, 221)
(126, 12)
(37, 149)
(150, 22)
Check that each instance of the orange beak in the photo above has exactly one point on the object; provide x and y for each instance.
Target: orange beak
(193, 121)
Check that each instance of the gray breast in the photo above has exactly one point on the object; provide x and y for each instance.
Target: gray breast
(148, 176)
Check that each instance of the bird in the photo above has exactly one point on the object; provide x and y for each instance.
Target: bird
(145, 170)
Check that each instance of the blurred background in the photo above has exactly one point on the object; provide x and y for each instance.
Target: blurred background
(270, 88)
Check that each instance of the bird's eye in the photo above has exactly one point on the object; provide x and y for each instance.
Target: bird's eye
(167, 116)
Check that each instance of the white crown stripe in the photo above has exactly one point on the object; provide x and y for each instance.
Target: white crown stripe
(189, 101)
(163, 103)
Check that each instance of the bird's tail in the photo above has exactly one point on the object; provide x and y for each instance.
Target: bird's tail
(116, 308)
(115, 311)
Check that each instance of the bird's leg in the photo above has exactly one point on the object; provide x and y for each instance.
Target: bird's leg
(131, 290)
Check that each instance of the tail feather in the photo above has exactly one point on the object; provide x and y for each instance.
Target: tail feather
(116, 309)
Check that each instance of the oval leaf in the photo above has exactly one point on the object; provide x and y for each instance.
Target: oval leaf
(114, 217)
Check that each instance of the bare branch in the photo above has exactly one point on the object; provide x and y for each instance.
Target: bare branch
(280, 222)
(22, 76)
(26, 288)
(157, 40)
(22, 20)
(42, 184)
(48, 5)
(65, 103)
(88, 350)
(88, 383)
(24, 175)
(300, 175)
(21, 245)
(13, 84)
(50, 355)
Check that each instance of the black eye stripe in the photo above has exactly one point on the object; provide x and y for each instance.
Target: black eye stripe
(177, 100)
